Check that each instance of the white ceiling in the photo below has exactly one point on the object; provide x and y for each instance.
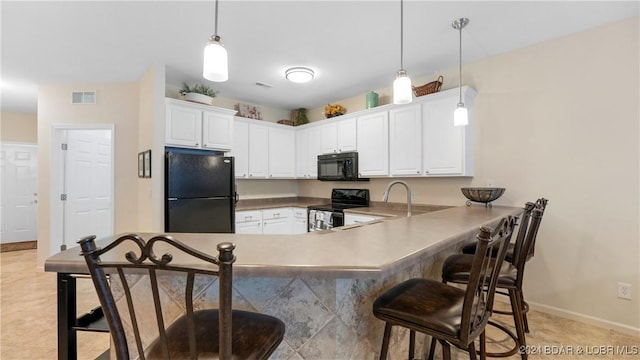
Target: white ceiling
(353, 46)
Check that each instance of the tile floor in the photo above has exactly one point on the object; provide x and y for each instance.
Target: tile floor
(28, 322)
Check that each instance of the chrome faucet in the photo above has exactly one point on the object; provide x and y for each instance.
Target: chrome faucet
(386, 194)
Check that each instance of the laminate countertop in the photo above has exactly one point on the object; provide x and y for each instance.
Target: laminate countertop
(367, 251)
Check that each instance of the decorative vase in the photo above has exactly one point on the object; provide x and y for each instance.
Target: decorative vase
(372, 100)
(198, 98)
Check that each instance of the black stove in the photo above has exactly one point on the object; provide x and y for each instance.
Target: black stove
(327, 216)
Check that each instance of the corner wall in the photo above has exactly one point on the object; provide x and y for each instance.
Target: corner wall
(116, 104)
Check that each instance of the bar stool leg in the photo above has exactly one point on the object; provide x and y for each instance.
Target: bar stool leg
(432, 348)
(385, 341)
(516, 308)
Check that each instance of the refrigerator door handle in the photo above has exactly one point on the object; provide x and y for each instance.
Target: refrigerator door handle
(172, 199)
(236, 198)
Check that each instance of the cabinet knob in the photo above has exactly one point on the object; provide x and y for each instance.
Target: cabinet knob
(196, 144)
(270, 175)
(203, 145)
(250, 175)
(418, 172)
(339, 150)
(426, 171)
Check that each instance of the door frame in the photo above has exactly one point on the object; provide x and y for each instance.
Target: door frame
(56, 181)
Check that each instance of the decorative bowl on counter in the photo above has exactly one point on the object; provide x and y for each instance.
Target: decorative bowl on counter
(482, 194)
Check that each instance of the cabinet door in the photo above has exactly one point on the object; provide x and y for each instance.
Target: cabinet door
(282, 143)
(299, 226)
(443, 143)
(217, 131)
(240, 148)
(405, 141)
(373, 144)
(347, 138)
(329, 136)
(183, 126)
(258, 151)
(314, 150)
(302, 153)
(276, 226)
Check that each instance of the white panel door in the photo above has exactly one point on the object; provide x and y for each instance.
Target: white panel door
(18, 203)
(88, 209)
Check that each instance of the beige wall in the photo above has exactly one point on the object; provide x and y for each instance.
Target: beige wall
(151, 136)
(18, 127)
(116, 104)
(559, 120)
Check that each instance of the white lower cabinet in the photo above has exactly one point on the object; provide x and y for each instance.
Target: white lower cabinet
(284, 220)
(299, 223)
(249, 222)
(350, 219)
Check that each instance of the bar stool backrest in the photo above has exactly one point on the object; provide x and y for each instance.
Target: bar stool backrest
(483, 278)
(112, 263)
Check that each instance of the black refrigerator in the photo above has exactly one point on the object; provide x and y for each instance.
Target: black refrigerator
(200, 193)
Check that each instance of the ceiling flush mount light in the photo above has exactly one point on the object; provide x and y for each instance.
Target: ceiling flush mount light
(215, 66)
(460, 115)
(299, 74)
(402, 83)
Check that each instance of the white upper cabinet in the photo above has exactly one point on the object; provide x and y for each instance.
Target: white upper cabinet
(282, 156)
(405, 141)
(217, 130)
(198, 126)
(447, 149)
(183, 126)
(308, 147)
(240, 149)
(338, 135)
(302, 153)
(258, 151)
(373, 144)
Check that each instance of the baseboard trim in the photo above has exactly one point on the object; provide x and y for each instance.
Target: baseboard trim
(16, 246)
(591, 320)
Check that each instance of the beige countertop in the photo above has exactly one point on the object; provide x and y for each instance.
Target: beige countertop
(356, 251)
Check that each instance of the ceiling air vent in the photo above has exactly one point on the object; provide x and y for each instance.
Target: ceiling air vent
(83, 97)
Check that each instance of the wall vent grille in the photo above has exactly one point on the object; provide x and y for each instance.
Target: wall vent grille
(83, 97)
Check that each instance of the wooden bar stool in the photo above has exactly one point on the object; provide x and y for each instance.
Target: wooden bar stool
(457, 269)
(447, 313)
(220, 333)
(470, 249)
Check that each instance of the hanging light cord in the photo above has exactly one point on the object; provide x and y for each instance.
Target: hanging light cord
(460, 63)
(401, 34)
(215, 33)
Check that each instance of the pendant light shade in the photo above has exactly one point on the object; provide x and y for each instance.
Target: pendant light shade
(402, 83)
(460, 115)
(402, 88)
(216, 64)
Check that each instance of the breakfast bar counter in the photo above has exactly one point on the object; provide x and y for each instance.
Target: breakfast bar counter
(323, 284)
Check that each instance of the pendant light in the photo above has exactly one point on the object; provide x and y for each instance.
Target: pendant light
(402, 83)
(460, 115)
(215, 66)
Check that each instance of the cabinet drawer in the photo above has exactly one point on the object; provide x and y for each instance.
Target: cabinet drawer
(276, 213)
(299, 213)
(247, 216)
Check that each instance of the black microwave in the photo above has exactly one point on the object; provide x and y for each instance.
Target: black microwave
(338, 167)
